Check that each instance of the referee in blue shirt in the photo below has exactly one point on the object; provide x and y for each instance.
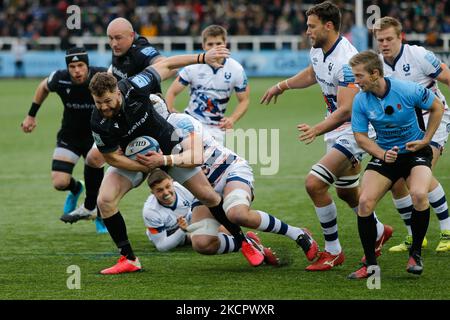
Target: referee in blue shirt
(401, 150)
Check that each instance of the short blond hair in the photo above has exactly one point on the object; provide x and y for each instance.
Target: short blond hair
(369, 59)
(214, 30)
(385, 23)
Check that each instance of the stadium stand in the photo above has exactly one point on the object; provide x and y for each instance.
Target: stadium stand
(36, 19)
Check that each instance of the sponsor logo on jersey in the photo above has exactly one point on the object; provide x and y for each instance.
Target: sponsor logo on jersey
(141, 80)
(119, 73)
(138, 123)
(149, 51)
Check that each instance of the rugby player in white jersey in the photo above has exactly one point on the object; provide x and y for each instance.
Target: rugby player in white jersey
(168, 202)
(231, 176)
(167, 214)
(340, 166)
(415, 63)
(211, 89)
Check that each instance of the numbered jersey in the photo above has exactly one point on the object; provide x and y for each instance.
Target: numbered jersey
(217, 158)
(211, 89)
(332, 70)
(416, 64)
(158, 217)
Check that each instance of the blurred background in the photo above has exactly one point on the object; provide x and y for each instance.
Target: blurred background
(266, 36)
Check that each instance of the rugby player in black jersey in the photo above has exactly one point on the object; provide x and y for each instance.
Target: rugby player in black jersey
(74, 139)
(124, 112)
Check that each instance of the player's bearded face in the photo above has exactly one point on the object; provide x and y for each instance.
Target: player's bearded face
(164, 192)
(78, 72)
(316, 32)
(108, 104)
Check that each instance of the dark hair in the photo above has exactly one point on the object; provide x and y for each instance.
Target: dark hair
(327, 11)
(101, 83)
(157, 176)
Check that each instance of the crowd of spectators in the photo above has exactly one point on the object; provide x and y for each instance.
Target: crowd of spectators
(33, 19)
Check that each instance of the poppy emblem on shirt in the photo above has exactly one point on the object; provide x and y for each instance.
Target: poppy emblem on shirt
(399, 106)
(406, 67)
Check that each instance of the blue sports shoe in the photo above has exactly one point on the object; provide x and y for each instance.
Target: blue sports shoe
(100, 226)
(72, 199)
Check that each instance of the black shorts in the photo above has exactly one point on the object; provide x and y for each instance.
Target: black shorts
(401, 168)
(78, 145)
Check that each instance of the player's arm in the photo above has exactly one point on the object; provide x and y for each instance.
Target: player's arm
(242, 107)
(163, 242)
(444, 76)
(369, 145)
(213, 57)
(41, 93)
(175, 89)
(192, 155)
(118, 160)
(434, 120)
(341, 115)
(160, 58)
(303, 79)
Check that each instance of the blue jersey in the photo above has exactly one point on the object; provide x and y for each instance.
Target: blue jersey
(393, 116)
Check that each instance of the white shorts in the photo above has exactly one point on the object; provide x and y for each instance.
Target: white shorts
(347, 144)
(237, 171)
(216, 132)
(135, 177)
(441, 136)
(180, 175)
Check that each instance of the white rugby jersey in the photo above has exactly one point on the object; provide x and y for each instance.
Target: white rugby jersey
(416, 64)
(211, 89)
(332, 70)
(217, 158)
(158, 217)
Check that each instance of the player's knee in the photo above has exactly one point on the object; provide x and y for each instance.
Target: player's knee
(95, 159)
(236, 206)
(366, 205)
(106, 204)
(60, 182)
(314, 186)
(419, 199)
(205, 244)
(239, 215)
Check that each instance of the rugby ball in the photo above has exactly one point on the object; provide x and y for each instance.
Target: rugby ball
(141, 145)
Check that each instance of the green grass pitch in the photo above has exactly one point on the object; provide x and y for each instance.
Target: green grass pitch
(36, 248)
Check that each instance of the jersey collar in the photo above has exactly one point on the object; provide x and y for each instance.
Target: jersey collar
(396, 58)
(215, 70)
(388, 88)
(332, 48)
(175, 203)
